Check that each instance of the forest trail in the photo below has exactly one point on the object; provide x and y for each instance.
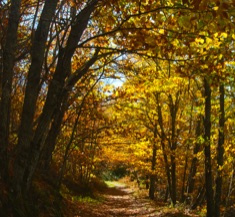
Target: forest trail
(122, 201)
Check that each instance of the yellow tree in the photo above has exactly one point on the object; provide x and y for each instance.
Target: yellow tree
(155, 112)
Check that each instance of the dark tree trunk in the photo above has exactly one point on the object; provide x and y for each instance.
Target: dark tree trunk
(184, 176)
(167, 169)
(31, 94)
(173, 144)
(193, 169)
(152, 187)
(52, 102)
(163, 141)
(220, 153)
(166, 194)
(60, 110)
(186, 158)
(153, 176)
(6, 83)
(207, 150)
(230, 187)
(68, 146)
(32, 150)
(200, 198)
(50, 142)
(173, 179)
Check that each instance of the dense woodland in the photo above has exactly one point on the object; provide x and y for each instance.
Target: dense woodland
(92, 90)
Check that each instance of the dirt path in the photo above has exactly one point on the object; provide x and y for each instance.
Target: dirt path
(121, 201)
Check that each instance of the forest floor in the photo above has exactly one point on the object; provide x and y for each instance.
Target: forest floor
(123, 201)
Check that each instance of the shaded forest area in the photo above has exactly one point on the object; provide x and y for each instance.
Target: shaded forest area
(100, 89)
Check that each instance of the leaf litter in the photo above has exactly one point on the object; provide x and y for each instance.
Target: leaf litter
(121, 201)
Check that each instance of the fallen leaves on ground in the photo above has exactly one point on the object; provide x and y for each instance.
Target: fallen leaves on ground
(120, 201)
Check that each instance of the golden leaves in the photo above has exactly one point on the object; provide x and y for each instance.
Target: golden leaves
(161, 31)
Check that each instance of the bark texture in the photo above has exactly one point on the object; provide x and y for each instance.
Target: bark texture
(207, 151)
(58, 88)
(31, 95)
(6, 82)
(220, 153)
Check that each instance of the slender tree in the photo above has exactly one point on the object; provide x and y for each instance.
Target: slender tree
(220, 153)
(207, 150)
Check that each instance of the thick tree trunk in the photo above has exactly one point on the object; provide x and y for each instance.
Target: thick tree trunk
(60, 110)
(207, 151)
(52, 102)
(50, 142)
(220, 153)
(55, 90)
(31, 95)
(6, 82)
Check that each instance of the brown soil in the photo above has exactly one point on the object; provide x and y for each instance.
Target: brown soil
(121, 201)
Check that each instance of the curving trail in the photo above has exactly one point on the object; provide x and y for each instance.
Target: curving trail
(120, 201)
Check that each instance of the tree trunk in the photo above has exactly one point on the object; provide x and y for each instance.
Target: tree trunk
(31, 95)
(207, 150)
(55, 90)
(184, 176)
(52, 102)
(220, 153)
(230, 187)
(173, 179)
(167, 169)
(59, 113)
(153, 176)
(6, 83)
(200, 198)
(173, 144)
(163, 140)
(193, 169)
(186, 159)
(166, 194)
(68, 146)
(50, 143)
